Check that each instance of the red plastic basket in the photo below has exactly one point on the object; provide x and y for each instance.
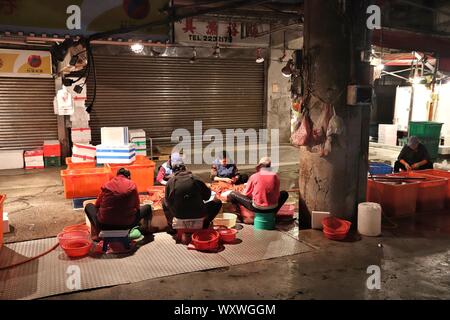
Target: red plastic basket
(77, 248)
(206, 240)
(228, 235)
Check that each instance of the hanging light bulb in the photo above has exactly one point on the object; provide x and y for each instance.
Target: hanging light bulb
(216, 52)
(137, 47)
(194, 56)
(259, 57)
(287, 69)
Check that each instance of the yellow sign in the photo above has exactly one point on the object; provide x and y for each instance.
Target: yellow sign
(25, 63)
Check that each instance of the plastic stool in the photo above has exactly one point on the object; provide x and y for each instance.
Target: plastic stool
(109, 236)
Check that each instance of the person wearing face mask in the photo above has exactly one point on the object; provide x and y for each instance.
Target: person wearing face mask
(165, 171)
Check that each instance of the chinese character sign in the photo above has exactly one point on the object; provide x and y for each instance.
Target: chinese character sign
(190, 30)
(25, 63)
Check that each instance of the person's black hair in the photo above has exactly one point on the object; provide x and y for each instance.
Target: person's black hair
(124, 172)
(178, 168)
(223, 155)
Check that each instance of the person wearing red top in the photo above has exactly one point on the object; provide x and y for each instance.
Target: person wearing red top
(262, 193)
(118, 205)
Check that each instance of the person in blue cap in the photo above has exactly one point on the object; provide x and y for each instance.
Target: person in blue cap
(165, 171)
(414, 156)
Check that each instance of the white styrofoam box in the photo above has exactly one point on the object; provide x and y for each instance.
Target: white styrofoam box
(447, 141)
(80, 112)
(141, 152)
(34, 158)
(5, 222)
(116, 154)
(11, 159)
(387, 134)
(81, 135)
(137, 134)
(80, 124)
(316, 219)
(83, 153)
(114, 136)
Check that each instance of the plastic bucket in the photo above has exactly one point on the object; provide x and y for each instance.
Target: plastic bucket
(77, 227)
(65, 237)
(77, 248)
(206, 240)
(228, 235)
(264, 221)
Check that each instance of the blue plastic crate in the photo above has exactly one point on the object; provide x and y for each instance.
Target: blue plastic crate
(376, 168)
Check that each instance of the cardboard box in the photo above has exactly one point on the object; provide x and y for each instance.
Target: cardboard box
(114, 136)
(11, 159)
(125, 154)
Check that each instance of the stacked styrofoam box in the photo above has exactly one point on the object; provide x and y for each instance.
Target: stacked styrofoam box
(81, 135)
(387, 134)
(34, 159)
(137, 137)
(81, 132)
(5, 225)
(115, 146)
(124, 154)
(114, 136)
(83, 153)
(11, 159)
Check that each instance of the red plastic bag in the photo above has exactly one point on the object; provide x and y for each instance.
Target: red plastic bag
(302, 136)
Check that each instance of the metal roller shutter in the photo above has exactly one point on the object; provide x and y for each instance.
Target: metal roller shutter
(26, 113)
(160, 94)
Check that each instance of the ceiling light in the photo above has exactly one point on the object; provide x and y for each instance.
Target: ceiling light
(287, 69)
(194, 56)
(216, 52)
(137, 47)
(259, 57)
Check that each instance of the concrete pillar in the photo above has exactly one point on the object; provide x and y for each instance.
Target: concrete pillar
(337, 182)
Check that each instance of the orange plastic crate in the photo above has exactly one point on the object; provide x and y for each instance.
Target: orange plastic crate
(142, 172)
(81, 183)
(432, 191)
(395, 199)
(441, 174)
(2, 200)
(81, 165)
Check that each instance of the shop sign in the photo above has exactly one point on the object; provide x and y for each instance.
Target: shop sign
(190, 31)
(52, 17)
(25, 63)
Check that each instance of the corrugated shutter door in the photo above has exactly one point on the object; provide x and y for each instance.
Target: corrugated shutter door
(160, 94)
(26, 113)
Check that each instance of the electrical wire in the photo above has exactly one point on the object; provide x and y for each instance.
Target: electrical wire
(29, 259)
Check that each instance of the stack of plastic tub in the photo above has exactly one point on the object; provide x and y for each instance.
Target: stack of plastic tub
(429, 134)
(82, 183)
(396, 199)
(432, 193)
(142, 172)
(441, 174)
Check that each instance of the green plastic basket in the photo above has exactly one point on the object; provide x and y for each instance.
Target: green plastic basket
(264, 221)
(425, 129)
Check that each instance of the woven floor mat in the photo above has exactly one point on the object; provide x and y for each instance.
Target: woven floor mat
(55, 273)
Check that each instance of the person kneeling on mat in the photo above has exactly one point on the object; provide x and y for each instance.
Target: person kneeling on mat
(262, 193)
(187, 196)
(118, 206)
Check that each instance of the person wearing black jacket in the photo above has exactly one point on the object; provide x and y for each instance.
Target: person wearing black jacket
(186, 197)
(414, 156)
